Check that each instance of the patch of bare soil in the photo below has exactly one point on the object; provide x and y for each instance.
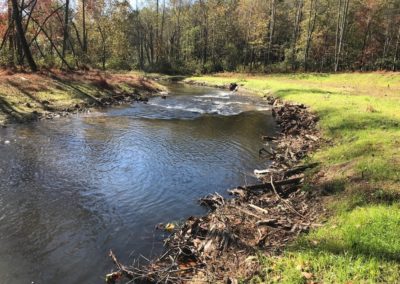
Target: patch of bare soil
(222, 246)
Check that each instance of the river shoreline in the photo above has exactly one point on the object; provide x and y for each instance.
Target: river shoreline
(222, 245)
(52, 94)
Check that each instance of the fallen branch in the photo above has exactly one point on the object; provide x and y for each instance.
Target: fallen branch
(284, 200)
(299, 169)
(265, 186)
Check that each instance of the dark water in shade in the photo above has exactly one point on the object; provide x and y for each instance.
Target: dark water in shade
(71, 189)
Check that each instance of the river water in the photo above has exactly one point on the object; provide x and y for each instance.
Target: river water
(73, 188)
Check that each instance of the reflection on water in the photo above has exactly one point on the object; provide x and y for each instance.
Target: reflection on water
(71, 189)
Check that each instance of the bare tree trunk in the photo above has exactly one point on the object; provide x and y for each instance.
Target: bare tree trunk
(103, 40)
(204, 33)
(30, 14)
(365, 40)
(386, 44)
(342, 28)
(77, 35)
(11, 34)
(151, 45)
(66, 19)
(299, 12)
(271, 28)
(69, 43)
(84, 32)
(337, 31)
(157, 32)
(310, 30)
(21, 36)
(160, 40)
(396, 51)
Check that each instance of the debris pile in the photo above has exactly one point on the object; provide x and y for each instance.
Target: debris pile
(298, 136)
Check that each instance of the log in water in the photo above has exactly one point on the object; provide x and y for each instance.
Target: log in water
(71, 189)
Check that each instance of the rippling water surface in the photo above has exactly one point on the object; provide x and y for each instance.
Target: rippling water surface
(71, 189)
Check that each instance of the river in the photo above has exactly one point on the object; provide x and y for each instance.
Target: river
(73, 188)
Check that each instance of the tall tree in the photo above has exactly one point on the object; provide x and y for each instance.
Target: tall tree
(343, 9)
(10, 34)
(312, 16)
(21, 35)
(65, 31)
(296, 30)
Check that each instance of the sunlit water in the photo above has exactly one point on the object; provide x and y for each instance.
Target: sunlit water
(71, 189)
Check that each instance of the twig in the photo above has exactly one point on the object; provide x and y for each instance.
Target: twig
(284, 200)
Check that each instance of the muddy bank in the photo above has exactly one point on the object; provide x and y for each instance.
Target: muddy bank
(51, 94)
(118, 98)
(234, 87)
(223, 245)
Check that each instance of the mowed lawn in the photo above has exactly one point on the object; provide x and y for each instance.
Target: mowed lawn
(359, 174)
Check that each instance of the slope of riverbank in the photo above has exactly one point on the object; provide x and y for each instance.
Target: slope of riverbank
(358, 176)
(28, 96)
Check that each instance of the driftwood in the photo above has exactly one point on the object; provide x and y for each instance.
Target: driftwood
(268, 138)
(269, 186)
(259, 209)
(299, 169)
(212, 201)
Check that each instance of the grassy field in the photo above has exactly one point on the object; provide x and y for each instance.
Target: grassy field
(24, 94)
(360, 119)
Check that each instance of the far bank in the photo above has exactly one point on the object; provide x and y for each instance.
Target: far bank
(28, 96)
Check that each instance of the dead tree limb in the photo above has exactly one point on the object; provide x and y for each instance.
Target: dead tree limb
(52, 44)
(268, 186)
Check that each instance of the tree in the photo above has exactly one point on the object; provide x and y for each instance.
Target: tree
(343, 9)
(21, 35)
(310, 29)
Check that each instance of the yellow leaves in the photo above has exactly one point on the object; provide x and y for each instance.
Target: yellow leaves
(169, 227)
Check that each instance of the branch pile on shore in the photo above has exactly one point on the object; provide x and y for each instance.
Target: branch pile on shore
(223, 245)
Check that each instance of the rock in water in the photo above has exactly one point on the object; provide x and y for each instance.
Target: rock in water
(233, 87)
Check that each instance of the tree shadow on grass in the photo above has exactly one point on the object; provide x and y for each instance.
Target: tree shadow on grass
(350, 121)
(77, 93)
(13, 113)
(25, 91)
(354, 249)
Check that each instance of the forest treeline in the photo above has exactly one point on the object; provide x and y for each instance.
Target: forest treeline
(186, 36)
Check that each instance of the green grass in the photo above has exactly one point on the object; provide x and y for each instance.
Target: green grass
(360, 118)
(361, 246)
